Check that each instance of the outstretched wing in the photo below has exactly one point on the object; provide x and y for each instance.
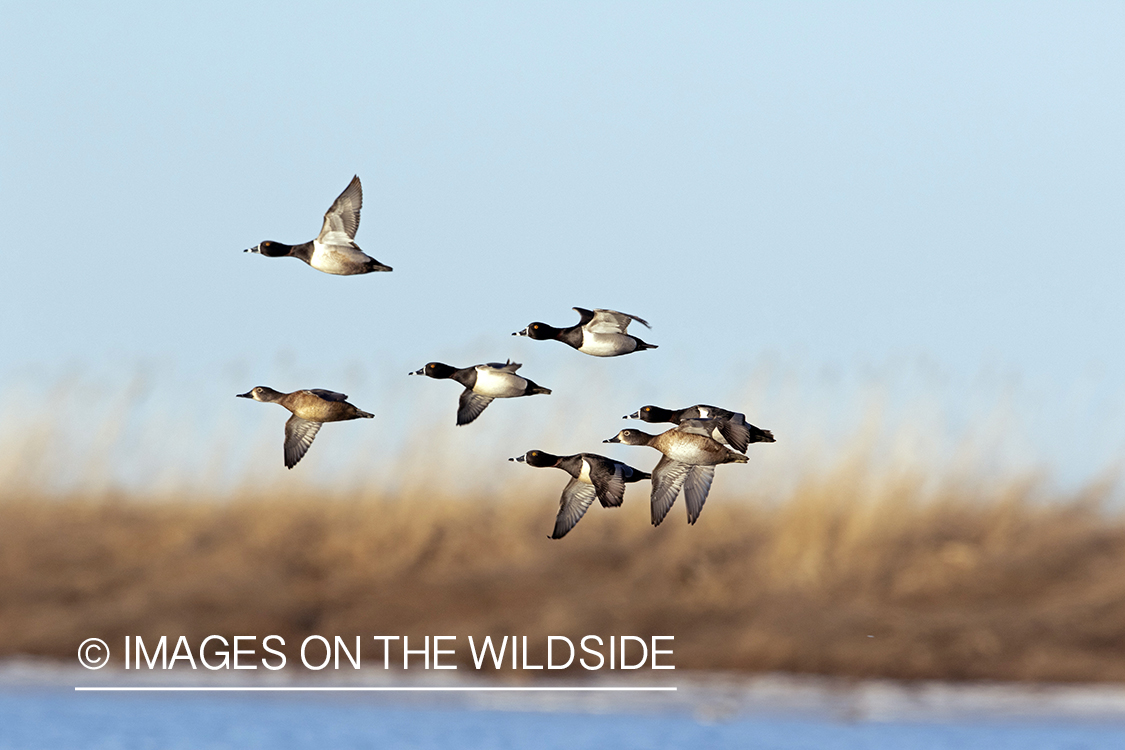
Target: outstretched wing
(470, 406)
(608, 321)
(739, 433)
(328, 395)
(610, 487)
(736, 435)
(667, 479)
(576, 498)
(696, 487)
(342, 219)
(584, 315)
(299, 434)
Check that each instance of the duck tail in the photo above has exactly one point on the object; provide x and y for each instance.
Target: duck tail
(363, 414)
(641, 345)
(758, 435)
(534, 389)
(737, 458)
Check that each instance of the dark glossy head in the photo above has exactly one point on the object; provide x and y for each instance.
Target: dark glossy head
(538, 331)
(539, 459)
(630, 437)
(435, 370)
(651, 414)
(261, 393)
(269, 248)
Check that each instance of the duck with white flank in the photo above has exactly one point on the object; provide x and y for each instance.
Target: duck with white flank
(310, 409)
(591, 476)
(483, 383)
(689, 460)
(599, 333)
(730, 427)
(334, 249)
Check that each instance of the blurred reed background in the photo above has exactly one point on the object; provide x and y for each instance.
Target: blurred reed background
(898, 527)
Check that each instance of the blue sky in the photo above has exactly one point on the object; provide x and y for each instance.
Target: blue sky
(830, 188)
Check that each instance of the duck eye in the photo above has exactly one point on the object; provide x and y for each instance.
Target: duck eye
(257, 390)
(648, 408)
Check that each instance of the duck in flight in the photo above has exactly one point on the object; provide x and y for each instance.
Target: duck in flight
(311, 408)
(599, 333)
(483, 383)
(729, 427)
(591, 476)
(688, 463)
(334, 250)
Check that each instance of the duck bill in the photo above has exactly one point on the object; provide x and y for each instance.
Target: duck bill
(614, 439)
(419, 371)
(519, 459)
(521, 333)
(248, 394)
(634, 415)
(255, 249)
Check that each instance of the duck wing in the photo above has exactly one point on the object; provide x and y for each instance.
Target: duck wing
(610, 486)
(342, 219)
(737, 435)
(667, 479)
(696, 487)
(508, 366)
(704, 427)
(328, 395)
(608, 321)
(706, 411)
(576, 499)
(470, 406)
(299, 434)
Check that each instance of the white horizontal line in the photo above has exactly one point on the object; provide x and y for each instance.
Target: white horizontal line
(291, 689)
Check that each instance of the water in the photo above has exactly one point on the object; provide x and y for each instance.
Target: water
(46, 718)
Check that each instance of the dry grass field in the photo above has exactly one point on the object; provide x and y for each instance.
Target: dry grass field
(857, 572)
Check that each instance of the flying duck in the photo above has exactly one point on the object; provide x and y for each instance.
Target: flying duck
(483, 383)
(311, 408)
(334, 249)
(599, 333)
(591, 476)
(730, 427)
(689, 460)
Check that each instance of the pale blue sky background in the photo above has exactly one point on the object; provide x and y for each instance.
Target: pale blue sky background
(929, 195)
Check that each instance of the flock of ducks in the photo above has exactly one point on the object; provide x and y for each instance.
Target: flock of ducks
(703, 437)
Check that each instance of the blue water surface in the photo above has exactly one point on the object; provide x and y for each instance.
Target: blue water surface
(46, 719)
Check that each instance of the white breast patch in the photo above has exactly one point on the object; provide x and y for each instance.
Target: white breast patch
(328, 259)
(498, 384)
(606, 344)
